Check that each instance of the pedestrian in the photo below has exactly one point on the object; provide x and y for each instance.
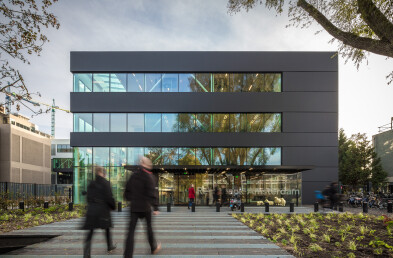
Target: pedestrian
(99, 204)
(191, 195)
(215, 194)
(142, 192)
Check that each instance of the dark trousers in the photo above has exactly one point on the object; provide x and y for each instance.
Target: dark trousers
(190, 202)
(87, 247)
(129, 245)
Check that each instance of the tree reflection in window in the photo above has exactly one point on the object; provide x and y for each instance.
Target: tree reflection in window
(187, 156)
(221, 156)
(204, 156)
(220, 123)
(264, 156)
(203, 122)
(154, 154)
(238, 156)
(221, 82)
(186, 122)
(169, 156)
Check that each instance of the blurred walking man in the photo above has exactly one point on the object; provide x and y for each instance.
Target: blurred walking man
(141, 191)
(99, 204)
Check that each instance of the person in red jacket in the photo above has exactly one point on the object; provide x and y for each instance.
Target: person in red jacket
(191, 195)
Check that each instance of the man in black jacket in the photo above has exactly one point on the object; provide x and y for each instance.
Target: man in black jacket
(99, 204)
(141, 191)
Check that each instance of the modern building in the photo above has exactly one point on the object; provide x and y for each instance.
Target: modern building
(383, 145)
(260, 123)
(62, 161)
(24, 151)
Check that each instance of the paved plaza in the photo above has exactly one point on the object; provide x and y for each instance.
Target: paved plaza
(205, 233)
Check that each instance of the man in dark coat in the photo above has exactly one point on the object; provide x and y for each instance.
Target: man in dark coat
(141, 191)
(99, 204)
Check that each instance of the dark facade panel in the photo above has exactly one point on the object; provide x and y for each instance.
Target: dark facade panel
(310, 81)
(205, 140)
(230, 102)
(214, 61)
(297, 122)
(328, 174)
(308, 189)
(313, 156)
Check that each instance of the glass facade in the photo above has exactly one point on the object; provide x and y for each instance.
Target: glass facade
(174, 82)
(174, 186)
(182, 122)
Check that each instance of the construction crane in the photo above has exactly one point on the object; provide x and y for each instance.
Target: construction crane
(37, 104)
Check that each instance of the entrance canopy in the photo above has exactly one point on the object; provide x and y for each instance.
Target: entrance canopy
(230, 169)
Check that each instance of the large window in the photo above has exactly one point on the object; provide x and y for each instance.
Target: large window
(173, 82)
(182, 122)
(64, 148)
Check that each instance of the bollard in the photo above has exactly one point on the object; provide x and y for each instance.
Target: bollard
(70, 206)
(341, 207)
(217, 207)
(291, 207)
(22, 206)
(365, 207)
(119, 206)
(266, 207)
(390, 207)
(316, 207)
(193, 207)
(168, 207)
(242, 207)
(46, 205)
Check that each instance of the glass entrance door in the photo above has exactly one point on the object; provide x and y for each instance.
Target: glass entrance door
(183, 183)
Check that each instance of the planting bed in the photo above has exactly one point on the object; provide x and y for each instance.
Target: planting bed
(19, 219)
(326, 235)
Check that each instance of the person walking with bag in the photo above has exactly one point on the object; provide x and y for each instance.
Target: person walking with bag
(141, 191)
(191, 195)
(99, 204)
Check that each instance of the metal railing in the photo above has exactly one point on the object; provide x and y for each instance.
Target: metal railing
(14, 191)
(387, 127)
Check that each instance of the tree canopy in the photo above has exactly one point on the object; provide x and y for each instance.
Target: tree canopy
(360, 26)
(358, 162)
(21, 34)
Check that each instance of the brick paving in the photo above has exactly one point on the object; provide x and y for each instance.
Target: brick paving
(205, 233)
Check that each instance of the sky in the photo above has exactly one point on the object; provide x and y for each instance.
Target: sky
(365, 98)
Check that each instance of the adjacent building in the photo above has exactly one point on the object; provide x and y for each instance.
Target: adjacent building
(383, 144)
(24, 151)
(263, 124)
(62, 162)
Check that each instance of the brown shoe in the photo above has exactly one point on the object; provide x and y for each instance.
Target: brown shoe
(157, 250)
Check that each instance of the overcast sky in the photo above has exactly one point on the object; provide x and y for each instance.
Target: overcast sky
(365, 99)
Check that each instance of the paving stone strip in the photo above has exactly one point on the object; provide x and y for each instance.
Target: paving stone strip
(182, 234)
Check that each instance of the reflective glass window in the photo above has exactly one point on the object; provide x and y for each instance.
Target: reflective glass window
(101, 82)
(272, 122)
(238, 82)
(170, 123)
(118, 122)
(186, 82)
(238, 122)
(118, 156)
(221, 156)
(186, 122)
(186, 156)
(153, 82)
(264, 156)
(118, 82)
(136, 82)
(203, 82)
(83, 82)
(255, 122)
(170, 156)
(154, 154)
(152, 122)
(221, 82)
(273, 82)
(203, 122)
(238, 156)
(136, 122)
(82, 178)
(83, 122)
(83, 156)
(100, 122)
(255, 82)
(204, 156)
(133, 155)
(170, 82)
(101, 156)
(220, 123)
